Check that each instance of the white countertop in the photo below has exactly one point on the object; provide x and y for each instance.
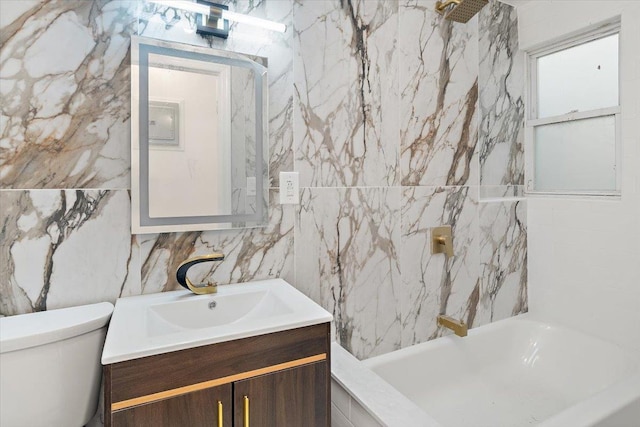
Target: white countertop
(137, 330)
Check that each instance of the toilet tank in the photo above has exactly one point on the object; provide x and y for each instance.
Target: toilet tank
(50, 366)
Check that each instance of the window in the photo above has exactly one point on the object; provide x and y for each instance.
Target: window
(572, 131)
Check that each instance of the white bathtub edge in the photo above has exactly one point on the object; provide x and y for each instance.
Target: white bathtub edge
(597, 408)
(383, 402)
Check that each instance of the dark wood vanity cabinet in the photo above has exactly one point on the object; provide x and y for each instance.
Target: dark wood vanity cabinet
(196, 409)
(285, 398)
(280, 379)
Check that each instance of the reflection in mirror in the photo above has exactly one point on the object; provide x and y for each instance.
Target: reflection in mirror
(199, 138)
(183, 166)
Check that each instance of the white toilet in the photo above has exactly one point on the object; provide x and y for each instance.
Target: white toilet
(50, 366)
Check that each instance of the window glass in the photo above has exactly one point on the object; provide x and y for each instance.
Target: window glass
(579, 78)
(578, 155)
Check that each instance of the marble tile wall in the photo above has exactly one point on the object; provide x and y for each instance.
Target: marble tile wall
(387, 122)
(64, 159)
(394, 118)
(501, 101)
(439, 98)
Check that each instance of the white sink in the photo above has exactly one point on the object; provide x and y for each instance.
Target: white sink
(158, 323)
(215, 310)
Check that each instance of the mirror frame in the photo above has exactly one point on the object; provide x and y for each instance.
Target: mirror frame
(141, 222)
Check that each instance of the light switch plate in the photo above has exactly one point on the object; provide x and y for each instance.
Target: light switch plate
(289, 188)
(251, 186)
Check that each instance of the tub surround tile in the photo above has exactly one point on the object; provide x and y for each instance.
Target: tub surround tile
(503, 260)
(346, 112)
(66, 97)
(434, 284)
(250, 253)
(361, 417)
(346, 260)
(501, 82)
(438, 97)
(63, 248)
(338, 419)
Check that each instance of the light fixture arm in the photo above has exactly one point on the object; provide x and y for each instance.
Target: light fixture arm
(213, 12)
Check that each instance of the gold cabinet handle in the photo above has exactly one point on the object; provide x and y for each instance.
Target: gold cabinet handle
(246, 411)
(220, 414)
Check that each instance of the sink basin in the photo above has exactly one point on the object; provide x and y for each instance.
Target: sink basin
(158, 323)
(215, 310)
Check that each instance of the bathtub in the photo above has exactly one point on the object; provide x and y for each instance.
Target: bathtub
(515, 372)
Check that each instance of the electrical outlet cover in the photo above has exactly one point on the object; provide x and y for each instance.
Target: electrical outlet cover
(289, 188)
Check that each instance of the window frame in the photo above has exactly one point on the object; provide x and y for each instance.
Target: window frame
(531, 109)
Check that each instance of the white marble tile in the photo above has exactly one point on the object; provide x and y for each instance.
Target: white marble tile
(503, 260)
(64, 74)
(434, 284)
(501, 83)
(12, 11)
(438, 97)
(63, 248)
(346, 112)
(347, 261)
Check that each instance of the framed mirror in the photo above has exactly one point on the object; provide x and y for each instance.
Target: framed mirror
(199, 138)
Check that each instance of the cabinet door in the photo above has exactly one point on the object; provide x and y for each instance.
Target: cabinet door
(195, 409)
(296, 397)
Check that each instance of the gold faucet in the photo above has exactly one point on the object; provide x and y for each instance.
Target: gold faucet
(181, 274)
(457, 326)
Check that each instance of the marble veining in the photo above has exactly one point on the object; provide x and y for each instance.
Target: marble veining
(346, 115)
(376, 103)
(438, 97)
(434, 284)
(64, 81)
(503, 260)
(346, 260)
(501, 79)
(62, 248)
(150, 259)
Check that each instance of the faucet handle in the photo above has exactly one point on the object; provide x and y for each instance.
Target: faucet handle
(183, 280)
(442, 240)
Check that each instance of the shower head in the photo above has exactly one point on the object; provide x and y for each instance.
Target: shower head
(462, 10)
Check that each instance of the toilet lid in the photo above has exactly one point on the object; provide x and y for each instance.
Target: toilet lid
(33, 329)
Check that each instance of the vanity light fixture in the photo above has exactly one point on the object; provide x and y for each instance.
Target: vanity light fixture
(214, 18)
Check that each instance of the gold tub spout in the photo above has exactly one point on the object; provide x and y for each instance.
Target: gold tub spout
(181, 274)
(457, 326)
